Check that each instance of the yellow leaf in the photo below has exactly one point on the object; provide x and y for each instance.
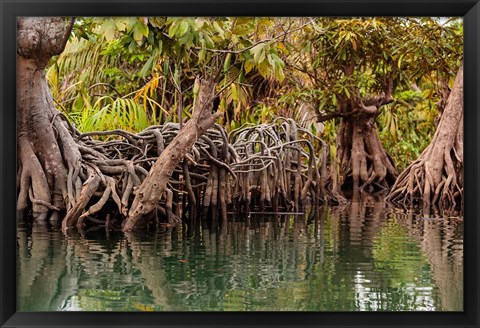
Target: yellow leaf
(354, 44)
(234, 92)
(248, 65)
(282, 47)
(263, 68)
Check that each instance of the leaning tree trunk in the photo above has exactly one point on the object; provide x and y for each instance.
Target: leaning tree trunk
(436, 177)
(148, 195)
(46, 151)
(362, 167)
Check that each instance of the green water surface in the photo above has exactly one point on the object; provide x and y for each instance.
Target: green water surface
(356, 258)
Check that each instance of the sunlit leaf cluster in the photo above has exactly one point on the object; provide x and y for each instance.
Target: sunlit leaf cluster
(132, 72)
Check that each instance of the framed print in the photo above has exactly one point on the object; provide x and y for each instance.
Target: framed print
(239, 163)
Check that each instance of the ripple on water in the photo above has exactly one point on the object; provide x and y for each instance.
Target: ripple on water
(356, 259)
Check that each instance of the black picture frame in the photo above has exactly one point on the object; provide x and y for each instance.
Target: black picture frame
(9, 9)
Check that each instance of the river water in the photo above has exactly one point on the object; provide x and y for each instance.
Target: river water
(355, 258)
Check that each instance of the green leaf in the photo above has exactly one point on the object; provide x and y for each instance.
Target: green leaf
(263, 24)
(220, 31)
(242, 27)
(234, 92)
(121, 25)
(139, 31)
(199, 23)
(111, 72)
(156, 21)
(334, 100)
(279, 73)
(226, 64)
(182, 29)
(248, 65)
(173, 29)
(146, 68)
(130, 22)
(278, 61)
(132, 47)
(183, 40)
(263, 68)
(165, 68)
(209, 42)
(108, 29)
(196, 87)
(202, 52)
(258, 53)
(271, 61)
(243, 20)
(151, 37)
(171, 20)
(159, 46)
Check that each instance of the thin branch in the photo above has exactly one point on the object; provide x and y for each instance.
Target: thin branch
(68, 32)
(236, 52)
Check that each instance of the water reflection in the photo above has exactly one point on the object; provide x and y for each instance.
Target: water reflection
(356, 258)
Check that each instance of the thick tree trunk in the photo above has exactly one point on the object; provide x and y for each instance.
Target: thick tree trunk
(362, 165)
(436, 177)
(148, 195)
(46, 151)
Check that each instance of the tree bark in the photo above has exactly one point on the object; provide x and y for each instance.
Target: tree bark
(155, 184)
(436, 177)
(362, 164)
(46, 151)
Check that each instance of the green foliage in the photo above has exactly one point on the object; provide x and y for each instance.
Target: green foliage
(130, 72)
(153, 62)
(407, 126)
(337, 60)
(108, 114)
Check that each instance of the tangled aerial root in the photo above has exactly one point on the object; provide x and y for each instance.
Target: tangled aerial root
(267, 166)
(113, 168)
(277, 166)
(417, 185)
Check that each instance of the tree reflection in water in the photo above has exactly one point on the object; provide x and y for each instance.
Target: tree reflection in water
(355, 258)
